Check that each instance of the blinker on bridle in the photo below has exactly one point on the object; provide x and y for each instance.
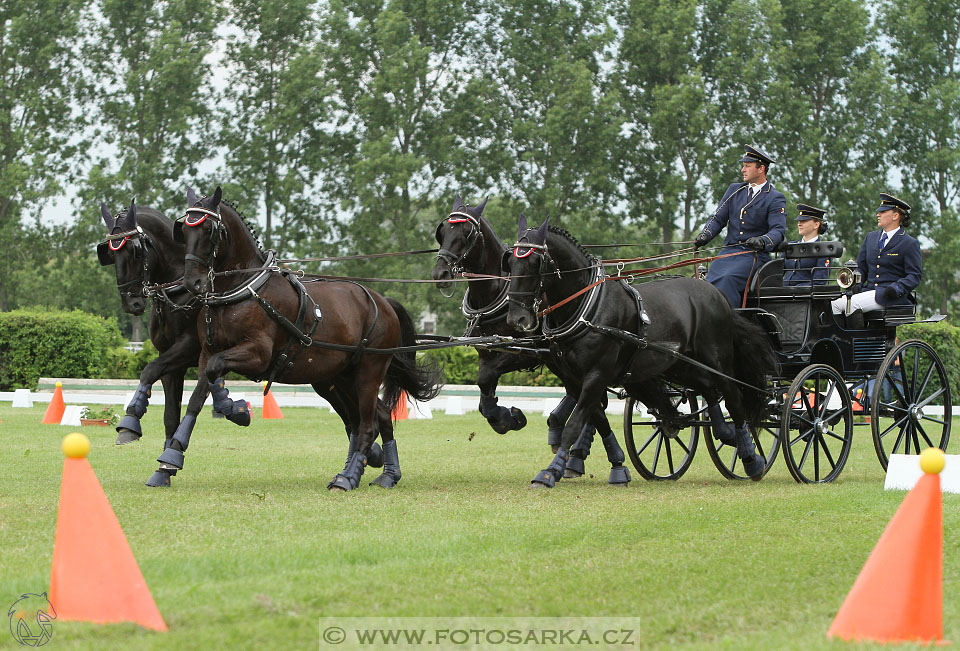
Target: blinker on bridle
(116, 241)
(458, 217)
(195, 216)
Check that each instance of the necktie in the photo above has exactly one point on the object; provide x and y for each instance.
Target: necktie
(883, 239)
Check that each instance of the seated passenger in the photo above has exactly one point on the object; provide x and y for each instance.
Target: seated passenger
(889, 262)
(804, 272)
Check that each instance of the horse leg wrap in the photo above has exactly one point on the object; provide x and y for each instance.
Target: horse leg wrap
(552, 474)
(753, 463)
(172, 457)
(575, 467)
(558, 418)
(722, 431)
(615, 453)
(579, 452)
(375, 456)
(619, 476)
(138, 404)
(160, 479)
(519, 421)
(349, 477)
(235, 410)
(128, 429)
(391, 466)
(500, 418)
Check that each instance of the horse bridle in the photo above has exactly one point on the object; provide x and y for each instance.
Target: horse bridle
(545, 263)
(115, 242)
(475, 235)
(217, 234)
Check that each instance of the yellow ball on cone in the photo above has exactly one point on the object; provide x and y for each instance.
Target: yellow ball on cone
(932, 461)
(75, 445)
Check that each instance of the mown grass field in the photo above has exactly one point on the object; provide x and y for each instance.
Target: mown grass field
(248, 549)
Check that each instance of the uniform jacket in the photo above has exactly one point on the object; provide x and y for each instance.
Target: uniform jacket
(804, 272)
(763, 216)
(898, 265)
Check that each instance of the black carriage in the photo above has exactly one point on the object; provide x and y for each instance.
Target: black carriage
(830, 376)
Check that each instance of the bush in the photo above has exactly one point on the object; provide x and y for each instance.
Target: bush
(125, 364)
(943, 338)
(35, 343)
(460, 367)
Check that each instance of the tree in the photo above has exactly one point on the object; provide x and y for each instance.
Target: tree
(38, 116)
(823, 114)
(546, 118)
(924, 40)
(395, 70)
(274, 110)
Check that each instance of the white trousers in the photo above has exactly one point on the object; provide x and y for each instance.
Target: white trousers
(865, 301)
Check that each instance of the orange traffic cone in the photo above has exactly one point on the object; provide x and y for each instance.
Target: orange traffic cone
(94, 576)
(56, 407)
(401, 411)
(898, 595)
(270, 407)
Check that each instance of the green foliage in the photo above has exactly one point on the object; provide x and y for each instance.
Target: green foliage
(460, 367)
(53, 344)
(121, 363)
(943, 338)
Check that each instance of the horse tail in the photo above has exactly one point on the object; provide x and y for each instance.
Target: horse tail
(421, 380)
(754, 362)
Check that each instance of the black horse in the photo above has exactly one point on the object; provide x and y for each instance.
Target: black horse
(140, 244)
(607, 339)
(264, 323)
(469, 243)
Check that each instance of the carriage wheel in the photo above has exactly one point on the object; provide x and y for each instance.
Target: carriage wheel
(910, 407)
(660, 455)
(816, 426)
(765, 438)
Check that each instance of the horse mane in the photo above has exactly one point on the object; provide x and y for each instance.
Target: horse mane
(564, 233)
(246, 222)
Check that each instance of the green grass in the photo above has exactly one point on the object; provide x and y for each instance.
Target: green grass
(248, 549)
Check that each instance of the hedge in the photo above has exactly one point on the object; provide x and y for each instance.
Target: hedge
(460, 367)
(943, 338)
(49, 343)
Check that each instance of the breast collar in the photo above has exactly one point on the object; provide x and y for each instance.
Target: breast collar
(248, 289)
(588, 305)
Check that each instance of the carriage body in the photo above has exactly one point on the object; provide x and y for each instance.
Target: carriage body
(831, 381)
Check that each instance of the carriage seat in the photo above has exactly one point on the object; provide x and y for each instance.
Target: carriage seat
(893, 315)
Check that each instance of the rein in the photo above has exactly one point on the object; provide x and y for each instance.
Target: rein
(630, 274)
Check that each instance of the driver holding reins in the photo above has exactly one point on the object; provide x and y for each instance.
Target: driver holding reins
(754, 215)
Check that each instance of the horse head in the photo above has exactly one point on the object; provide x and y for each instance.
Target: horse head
(527, 263)
(202, 233)
(126, 248)
(460, 237)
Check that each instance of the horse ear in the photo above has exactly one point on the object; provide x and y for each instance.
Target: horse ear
(107, 217)
(522, 226)
(217, 196)
(479, 209)
(541, 232)
(132, 213)
(457, 203)
(191, 196)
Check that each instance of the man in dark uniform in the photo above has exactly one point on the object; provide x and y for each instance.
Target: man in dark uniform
(890, 264)
(753, 213)
(805, 272)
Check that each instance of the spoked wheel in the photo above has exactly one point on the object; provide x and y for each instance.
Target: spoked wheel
(765, 438)
(816, 425)
(910, 404)
(660, 454)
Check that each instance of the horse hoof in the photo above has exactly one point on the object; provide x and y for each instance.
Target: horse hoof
(544, 478)
(336, 489)
(172, 457)
(340, 483)
(159, 479)
(619, 476)
(519, 419)
(754, 466)
(537, 486)
(125, 436)
(572, 474)
(384, 481)
(574, 468)
(375, 456)
(554, 448)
